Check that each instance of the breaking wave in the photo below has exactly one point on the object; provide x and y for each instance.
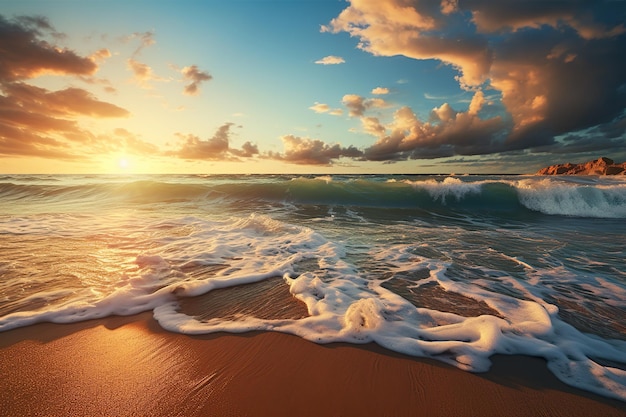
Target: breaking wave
(551, 196)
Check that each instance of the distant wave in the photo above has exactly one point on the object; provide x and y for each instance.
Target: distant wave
(547, 196)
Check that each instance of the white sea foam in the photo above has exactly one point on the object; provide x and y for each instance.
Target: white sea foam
(347, 308)
(450, 187)
(326, 178)
(571, 198)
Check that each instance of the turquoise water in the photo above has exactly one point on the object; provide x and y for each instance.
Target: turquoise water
(453, 268)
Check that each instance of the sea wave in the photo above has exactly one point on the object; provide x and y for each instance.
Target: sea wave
(593, 199)
(573, 199)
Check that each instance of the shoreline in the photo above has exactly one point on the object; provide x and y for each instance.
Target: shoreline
(131, 366)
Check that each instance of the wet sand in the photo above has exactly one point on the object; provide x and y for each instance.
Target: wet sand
(129, 366)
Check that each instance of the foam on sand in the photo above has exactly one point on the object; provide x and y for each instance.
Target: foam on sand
(129, 366)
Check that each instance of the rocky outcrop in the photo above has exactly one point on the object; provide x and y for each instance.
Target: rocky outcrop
(601, 166)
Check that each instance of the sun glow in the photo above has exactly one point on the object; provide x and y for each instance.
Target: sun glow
(120, 164)
(123, 163)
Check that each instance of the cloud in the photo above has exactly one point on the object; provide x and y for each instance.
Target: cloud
(23, 98)
(357, 105)
(330, 60)
(40, 122)
(537, 84)
(320, 108)
(325, 108)
(100, 55)
(35, 121)
(216, 148)
(556, 65)
(447, 132)
(130, 143)
(514, 15)
(413, 29)
(80, 102)
(380, 91)
(373, 126)
(24, 55)
(247, 150)
(146, 39)
(35, 23)
(142, 73)
(195, 78)
(306, 151)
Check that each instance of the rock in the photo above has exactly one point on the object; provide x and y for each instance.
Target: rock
(601, 166)
(616, 169)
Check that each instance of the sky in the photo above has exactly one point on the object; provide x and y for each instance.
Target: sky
(310, 86)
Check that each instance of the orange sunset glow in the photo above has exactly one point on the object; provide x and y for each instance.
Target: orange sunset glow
(326, 86)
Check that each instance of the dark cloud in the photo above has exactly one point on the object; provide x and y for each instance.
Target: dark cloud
(308, 151)
(24, 55)
(247, 150)
(556, 86)
(195, 77)
(558, 67)
(35, 23)
(447, 132)
(599, 140)
(590, 19)
(216, 148)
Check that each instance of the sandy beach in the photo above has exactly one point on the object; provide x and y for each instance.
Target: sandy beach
(129, 366)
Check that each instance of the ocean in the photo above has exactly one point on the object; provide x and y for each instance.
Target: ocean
(455, 268)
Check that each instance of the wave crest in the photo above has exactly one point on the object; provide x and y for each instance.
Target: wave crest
(579, 200)
(565, 197)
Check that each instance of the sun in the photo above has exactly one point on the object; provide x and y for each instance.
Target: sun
(123, 163)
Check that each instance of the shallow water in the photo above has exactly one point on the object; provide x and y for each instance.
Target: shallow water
(453, 268)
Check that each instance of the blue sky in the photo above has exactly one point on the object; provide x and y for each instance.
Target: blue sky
(241, 86)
